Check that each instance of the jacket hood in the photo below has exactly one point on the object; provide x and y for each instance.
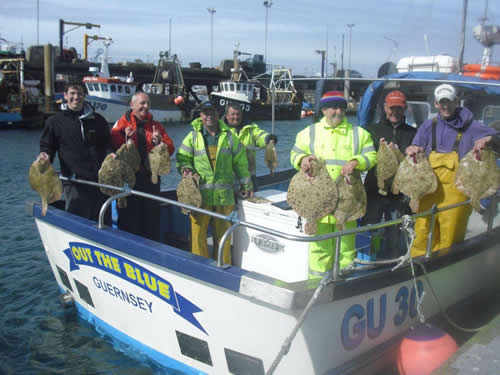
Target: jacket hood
(87, 110)
(463, 119)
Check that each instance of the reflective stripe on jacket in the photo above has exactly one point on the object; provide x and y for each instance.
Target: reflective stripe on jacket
(336, 146)
(216, 184)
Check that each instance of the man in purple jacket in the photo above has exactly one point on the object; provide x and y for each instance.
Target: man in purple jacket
(445, 140)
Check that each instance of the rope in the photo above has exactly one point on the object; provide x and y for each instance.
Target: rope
(445, 314)
(285, 347)
(409, 236)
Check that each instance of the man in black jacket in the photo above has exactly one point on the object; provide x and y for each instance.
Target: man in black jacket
(389, 242)
(82, 140)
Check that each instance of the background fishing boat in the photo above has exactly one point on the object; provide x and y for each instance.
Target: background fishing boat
(255, 97)
(19, 99)
(110, 96)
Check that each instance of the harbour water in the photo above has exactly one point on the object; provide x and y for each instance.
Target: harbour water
(37, 334)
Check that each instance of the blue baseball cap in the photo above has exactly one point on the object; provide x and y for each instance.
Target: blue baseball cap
(206, 106)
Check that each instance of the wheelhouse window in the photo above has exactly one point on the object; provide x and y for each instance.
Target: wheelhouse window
(417, 113)
(490, 114)
(104, 87)
(127, 89)
(120, 89)
(90, 87)
(96, 87)
(231, 87)
(113, 88)
(238, 87)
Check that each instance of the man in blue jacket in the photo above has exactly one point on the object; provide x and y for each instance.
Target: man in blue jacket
(445, 140)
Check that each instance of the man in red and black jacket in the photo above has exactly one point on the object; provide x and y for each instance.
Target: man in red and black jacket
(142, 215)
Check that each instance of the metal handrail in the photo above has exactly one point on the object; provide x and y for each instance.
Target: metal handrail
(234, 219)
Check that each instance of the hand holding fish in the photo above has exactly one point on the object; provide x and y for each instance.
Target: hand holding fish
(349, 168)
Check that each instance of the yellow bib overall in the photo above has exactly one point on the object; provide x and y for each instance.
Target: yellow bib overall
(199, 224)
(450, 225)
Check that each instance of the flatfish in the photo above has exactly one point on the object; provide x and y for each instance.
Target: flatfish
(314, 196)
(399, 155)
(415, 178)
(478, 176)
(44, 179)
(116, 172)
(128, 153)
(270, 157)
(352, 200)
(158, 162)
(387, 166)
(188, 192)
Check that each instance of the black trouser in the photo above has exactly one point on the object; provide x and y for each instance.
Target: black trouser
(386, 208)
(142, 215)
(85, 201)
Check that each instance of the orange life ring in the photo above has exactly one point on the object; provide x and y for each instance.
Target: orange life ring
(492, 76)
(478, 68)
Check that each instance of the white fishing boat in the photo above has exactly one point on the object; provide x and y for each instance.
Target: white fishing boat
(110, 95)
(261, 315)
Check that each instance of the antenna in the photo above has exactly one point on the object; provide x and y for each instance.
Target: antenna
(485, 17)
(426, 42)
(394, 48)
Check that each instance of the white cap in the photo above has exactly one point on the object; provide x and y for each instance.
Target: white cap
(445, 91)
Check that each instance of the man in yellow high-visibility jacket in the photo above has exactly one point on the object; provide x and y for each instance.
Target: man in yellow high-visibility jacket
(249, 134)
(213, 152)
(344, 148)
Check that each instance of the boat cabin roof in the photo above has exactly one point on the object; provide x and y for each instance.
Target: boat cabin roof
(482, 100)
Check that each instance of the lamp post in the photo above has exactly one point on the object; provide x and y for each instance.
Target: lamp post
(212, 12)
(347, 82)
(267, 4)
(350, 26)
(322, 53)
(37, 22)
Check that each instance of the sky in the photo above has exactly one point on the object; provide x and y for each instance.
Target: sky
(383, 29)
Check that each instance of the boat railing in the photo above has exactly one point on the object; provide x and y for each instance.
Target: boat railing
(236, 223)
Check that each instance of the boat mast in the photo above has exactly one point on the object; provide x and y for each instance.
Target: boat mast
(462, 39)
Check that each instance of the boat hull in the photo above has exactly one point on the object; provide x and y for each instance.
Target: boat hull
(112, 110)
(190, 315)
(16, 120)
(257, 111)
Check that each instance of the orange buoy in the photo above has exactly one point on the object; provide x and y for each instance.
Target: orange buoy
(423, 350)
(493, 76)
(478, 68)
(179, 100)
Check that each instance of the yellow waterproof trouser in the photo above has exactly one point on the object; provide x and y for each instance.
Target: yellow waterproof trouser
(322, 253)
(199, 229)
(450, 225)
